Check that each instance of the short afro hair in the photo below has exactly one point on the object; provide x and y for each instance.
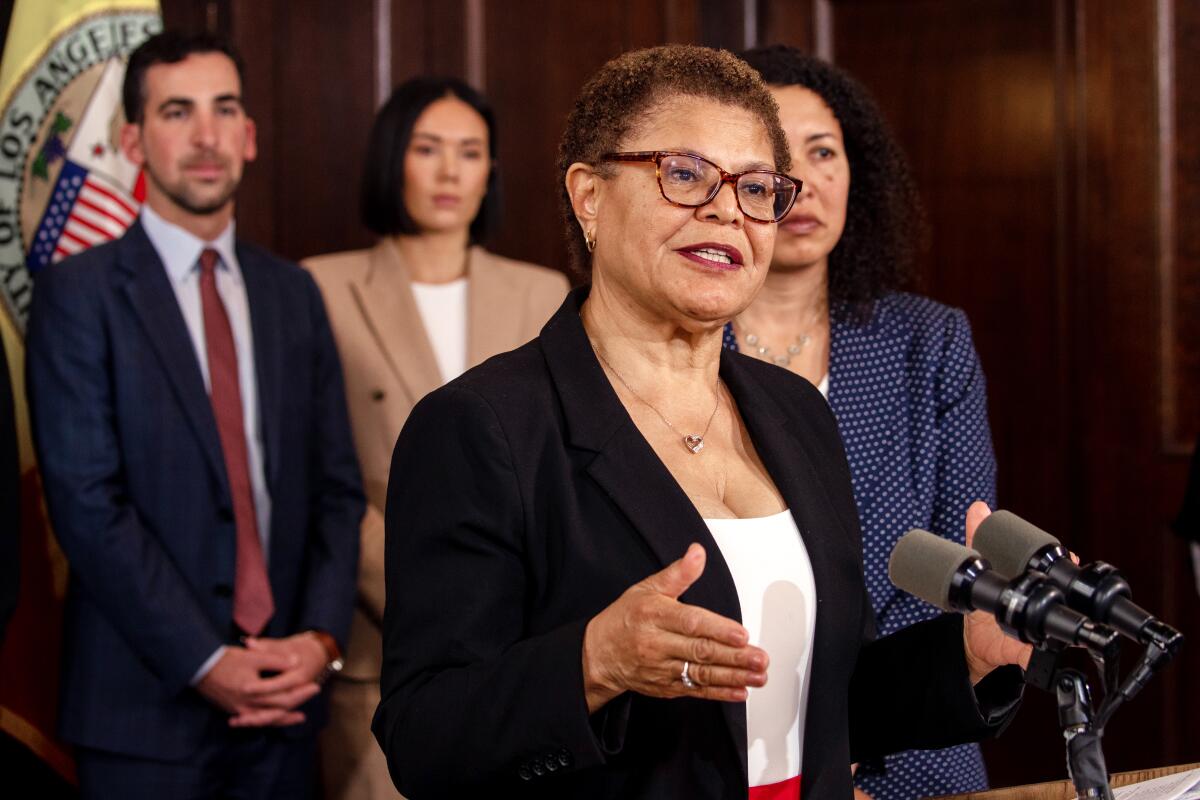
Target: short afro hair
(885, 221)
(621, 93)
(381, 192)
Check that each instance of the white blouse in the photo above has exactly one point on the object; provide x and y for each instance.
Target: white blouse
(443, 308)
(778, 596)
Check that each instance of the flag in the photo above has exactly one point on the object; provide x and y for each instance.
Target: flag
(64, 186)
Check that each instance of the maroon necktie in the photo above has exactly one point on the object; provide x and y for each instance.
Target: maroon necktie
(253, 604)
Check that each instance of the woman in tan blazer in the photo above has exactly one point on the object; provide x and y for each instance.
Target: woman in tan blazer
(422, 306)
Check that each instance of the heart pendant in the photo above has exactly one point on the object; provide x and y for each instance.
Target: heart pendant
(694, 442)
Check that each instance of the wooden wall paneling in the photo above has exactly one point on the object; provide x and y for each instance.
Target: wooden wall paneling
(194, 15)
(1118, 296)
(430, 38)
(788, 22)
(538, 57)
(314, 65)
(728, 24)
(253, 28)
(1181, 194)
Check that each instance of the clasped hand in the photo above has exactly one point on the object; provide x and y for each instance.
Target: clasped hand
(236, 683)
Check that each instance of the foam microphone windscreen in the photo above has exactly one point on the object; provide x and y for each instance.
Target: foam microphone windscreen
(924, 565)
(1009, 542)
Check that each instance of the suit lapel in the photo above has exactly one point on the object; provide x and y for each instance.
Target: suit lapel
(153, 301)
(629, 471)
(390, 311)
(495, 311)
(266, 325)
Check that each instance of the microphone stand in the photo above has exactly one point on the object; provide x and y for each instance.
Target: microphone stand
(1085, 758)
(1082, 726)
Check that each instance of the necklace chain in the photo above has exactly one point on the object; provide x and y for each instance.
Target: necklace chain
(763, 351)
(692, 441)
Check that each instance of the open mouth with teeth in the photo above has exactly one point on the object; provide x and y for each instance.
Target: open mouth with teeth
(718, 257)
(714, 255)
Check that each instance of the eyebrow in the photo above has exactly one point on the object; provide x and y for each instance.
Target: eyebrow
(188, 102)
(751, 166)
(434, 137)
(814, 136)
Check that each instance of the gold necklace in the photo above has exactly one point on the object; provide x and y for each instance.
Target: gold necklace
(694, 442)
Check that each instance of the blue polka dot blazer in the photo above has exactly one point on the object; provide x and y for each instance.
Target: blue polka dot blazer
(907, 389)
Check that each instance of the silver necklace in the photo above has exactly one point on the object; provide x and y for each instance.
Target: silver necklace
(783, 359)
(763, 351)
(694, 442)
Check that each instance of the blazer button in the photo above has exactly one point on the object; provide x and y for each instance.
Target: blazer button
(538, 768)
(564, 757)
(551, 763)
(223, 590)
(524, 773)
(377, 395)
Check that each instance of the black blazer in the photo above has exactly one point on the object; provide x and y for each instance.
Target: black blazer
(137, 492)
(523, 500)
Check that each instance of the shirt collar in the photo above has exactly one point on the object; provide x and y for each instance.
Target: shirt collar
(180, 250)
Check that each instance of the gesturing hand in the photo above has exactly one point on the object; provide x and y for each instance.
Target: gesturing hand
(641, 641)
(986, 646)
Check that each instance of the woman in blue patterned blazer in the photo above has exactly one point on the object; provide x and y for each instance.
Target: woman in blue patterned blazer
(899, 370)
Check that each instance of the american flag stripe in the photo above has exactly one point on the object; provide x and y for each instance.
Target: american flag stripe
(86, 215)
(71, 239)
(105, 227)
(94, 184)
(106, 202)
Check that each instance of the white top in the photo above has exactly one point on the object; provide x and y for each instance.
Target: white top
(180, 253)
(823, 386)
(778, 595)
(443, 308)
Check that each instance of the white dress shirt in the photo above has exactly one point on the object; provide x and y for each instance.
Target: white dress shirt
(180, 254)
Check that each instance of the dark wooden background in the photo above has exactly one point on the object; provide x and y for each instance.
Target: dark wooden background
(1057, 145)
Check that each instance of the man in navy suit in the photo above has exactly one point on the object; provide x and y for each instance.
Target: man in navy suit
(191, 428)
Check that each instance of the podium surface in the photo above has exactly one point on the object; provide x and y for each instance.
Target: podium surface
(1063, 790)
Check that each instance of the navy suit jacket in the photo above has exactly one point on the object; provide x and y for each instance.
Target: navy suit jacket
(136, 487)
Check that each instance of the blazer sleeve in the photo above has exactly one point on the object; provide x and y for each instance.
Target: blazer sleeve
(469, 696)
(966, 463)
(120, 565)
(911, 690)
(337, 503)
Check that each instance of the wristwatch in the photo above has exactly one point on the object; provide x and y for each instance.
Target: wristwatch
(335, 663)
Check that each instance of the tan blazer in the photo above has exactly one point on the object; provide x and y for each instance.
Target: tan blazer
(389, 365)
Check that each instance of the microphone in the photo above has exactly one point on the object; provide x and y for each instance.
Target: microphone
(954, 578)
(1098, 590)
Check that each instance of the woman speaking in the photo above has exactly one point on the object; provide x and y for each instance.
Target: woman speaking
(622, 563)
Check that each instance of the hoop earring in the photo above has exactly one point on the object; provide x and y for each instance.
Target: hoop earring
(589, 239)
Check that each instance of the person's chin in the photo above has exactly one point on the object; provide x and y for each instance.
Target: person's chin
(440, 220)
(795, 256)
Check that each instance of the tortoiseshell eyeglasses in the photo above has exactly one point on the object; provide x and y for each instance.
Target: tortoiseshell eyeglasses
(690, 181)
